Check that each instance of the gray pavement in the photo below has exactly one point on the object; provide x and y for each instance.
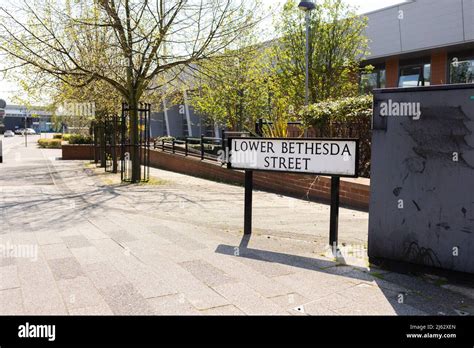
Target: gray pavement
(73, 240)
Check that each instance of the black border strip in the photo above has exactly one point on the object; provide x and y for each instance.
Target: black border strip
(222, 330)
(356, 169)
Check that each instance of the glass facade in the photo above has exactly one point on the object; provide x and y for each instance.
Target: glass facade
(375, 79)
(461, 68)
(415, 75)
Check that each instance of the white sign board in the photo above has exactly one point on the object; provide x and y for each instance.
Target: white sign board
(338, 157)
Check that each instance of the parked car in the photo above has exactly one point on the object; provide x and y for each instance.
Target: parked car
(8, 134)
(22, 131)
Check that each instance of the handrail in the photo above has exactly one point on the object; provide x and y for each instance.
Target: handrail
(176, 147)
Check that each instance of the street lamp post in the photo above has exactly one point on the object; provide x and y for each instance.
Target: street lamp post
(25, 131)
(307, 7)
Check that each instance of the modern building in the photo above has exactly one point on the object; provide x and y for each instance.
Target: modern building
(413, 43)
(421, 43)
(180, 120)
(17, 116)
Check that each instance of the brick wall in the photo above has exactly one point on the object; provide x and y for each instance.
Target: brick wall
(353, 192)
(77, 152)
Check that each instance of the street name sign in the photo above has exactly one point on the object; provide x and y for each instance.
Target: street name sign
(332, 157)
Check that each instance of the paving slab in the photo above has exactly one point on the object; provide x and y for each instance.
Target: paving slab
(55, 251)
(11, 302)
(207, 273)
(66, 268)
(79, 293)
(249, 301)
(126, 300)
(172, 305)
(9, 277)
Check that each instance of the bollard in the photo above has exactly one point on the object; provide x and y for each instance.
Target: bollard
(1, 152)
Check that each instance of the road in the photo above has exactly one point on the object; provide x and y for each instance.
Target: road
(73, 240)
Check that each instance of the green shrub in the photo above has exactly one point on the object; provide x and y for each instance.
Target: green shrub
(79, 139)
(50, 143)
(344, 118)
(165, 139)
(341, 110)
(208, 148)
(64, 137)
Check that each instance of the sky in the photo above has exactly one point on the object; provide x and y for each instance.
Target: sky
(9, 89)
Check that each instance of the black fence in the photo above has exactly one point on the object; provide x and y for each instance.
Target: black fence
(205, 148)
(140, 146)
(112, 127)
(98, 149)
(112, 144)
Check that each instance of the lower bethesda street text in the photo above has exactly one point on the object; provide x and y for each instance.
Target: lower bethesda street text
(295, 147)
(297, 155)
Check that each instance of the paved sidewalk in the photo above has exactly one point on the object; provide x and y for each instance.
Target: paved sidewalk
(74, 241)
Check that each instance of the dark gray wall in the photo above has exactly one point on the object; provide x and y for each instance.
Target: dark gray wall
(157, 124)
(413, 161)
(12, 123)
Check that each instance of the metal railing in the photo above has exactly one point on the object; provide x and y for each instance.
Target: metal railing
(205, 148)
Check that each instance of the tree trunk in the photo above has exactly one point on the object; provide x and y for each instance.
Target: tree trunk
(135, 142)
(115, 130)
(103, 145)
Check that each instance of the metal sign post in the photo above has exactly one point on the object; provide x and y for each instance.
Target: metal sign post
(331, 157)
(334, 219)
(248, 202)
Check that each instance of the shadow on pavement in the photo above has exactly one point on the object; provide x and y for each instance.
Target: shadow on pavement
(406, 294)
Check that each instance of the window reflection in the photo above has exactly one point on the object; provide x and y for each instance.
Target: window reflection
(374, 79)
(461, 70)
(415, 75)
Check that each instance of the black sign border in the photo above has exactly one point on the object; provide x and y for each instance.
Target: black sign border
(356, 140)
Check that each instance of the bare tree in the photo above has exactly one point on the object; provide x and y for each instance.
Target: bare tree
(133, 45)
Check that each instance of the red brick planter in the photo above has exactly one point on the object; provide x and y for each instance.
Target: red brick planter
(354, 192)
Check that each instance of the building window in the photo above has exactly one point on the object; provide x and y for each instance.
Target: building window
(461, 68)
(374, 79)
(415, 73)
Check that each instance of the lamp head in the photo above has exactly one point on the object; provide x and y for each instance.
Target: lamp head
(307, 6)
